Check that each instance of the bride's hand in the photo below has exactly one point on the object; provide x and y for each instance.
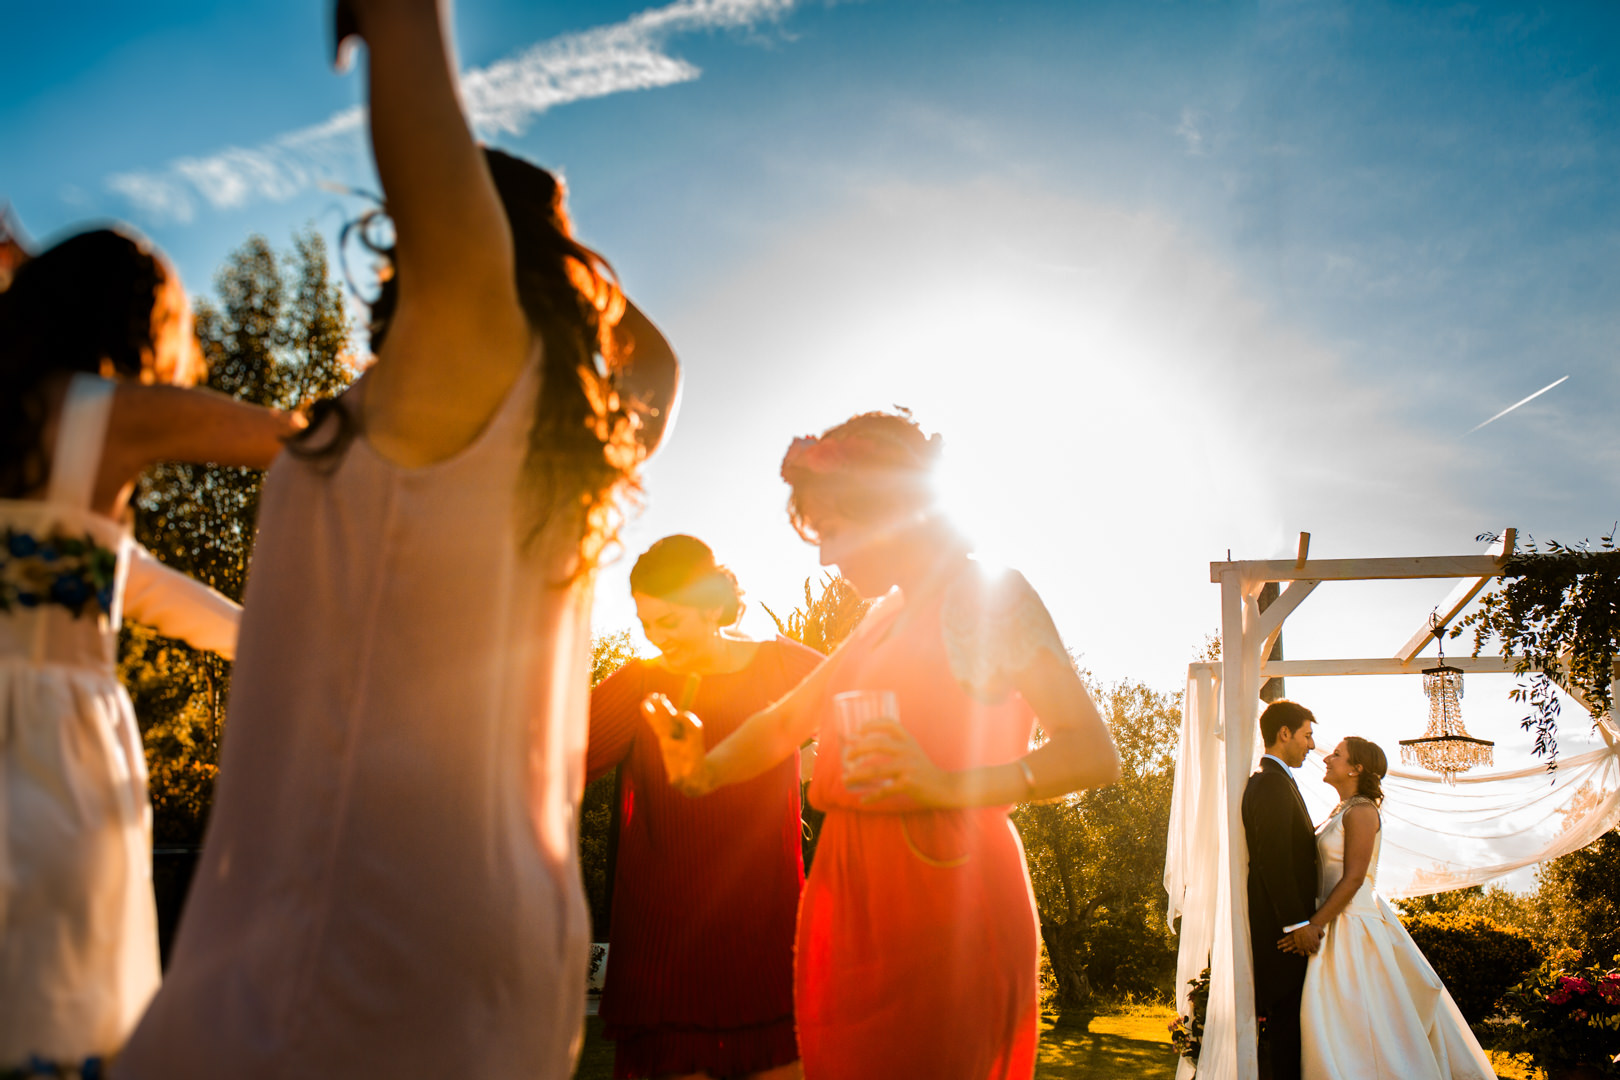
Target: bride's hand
(1303, 942)
(680, 742)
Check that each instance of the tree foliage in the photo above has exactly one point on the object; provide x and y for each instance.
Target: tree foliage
(597, 840)
(1097, 859)
(1558, 613)
(1476, 957)
(277, 335)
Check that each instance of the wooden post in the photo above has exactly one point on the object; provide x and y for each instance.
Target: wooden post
(1272, 689)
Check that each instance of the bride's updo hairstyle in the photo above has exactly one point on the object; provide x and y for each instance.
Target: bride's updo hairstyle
(100, 302)
(681, 570)
(1374, 767)
(872, 468)
(584, 450)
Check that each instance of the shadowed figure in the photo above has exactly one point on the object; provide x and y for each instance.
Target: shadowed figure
(1282, 881)
(390, 884)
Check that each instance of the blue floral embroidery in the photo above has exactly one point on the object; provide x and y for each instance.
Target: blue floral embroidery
(91, 1068)
(73, 572)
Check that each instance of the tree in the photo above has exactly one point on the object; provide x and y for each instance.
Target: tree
(1558, 612)
(278, 336)
(598, 822)
(1097, 858)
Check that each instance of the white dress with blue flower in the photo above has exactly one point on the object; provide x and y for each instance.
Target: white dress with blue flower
(78, 930)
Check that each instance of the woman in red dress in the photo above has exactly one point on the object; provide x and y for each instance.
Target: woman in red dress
(700, 980)
(918, 939)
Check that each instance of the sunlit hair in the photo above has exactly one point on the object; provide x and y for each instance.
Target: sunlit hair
(584, 454)
(1374, 766)
(1280, 714)
(682, 570)
(102, 298)
(871, 468)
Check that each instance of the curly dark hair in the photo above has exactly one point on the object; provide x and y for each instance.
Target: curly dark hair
(584, 451)
(88, 300)
(1374, 767)
(682, 570)
(870, 468)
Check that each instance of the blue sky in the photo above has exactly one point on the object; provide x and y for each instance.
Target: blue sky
(1172, 278)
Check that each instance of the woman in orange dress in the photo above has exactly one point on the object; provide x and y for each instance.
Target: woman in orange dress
(918, 938)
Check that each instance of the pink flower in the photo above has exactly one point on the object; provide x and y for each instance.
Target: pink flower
(1557, 997)
(1574, 984)
(1579, 1014)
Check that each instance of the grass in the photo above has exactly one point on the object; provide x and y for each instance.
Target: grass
(1128, 1041)
(1118, 1041)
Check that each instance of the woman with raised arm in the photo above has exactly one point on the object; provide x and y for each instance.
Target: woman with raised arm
(1373, 1007)
(390, 882)
(96, 354)
(917, 939)
(705, 891)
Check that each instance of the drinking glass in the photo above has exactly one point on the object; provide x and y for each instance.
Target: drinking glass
(854, 709)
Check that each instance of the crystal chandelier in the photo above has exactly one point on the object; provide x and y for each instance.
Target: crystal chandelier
(1446, 747)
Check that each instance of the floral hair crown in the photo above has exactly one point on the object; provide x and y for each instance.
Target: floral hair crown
(837, 453)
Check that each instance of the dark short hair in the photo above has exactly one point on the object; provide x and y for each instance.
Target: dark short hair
(682, 570)
(1283, 714)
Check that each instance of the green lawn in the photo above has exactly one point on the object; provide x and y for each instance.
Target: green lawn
(1129, 1041)
(1132, 1043)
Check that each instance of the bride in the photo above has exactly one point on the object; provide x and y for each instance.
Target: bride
(1373, 1007)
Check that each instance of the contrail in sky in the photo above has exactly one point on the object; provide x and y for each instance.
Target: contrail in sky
(502, 97)
(1516, 404)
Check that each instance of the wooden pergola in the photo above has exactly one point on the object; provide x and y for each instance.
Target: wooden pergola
(1230, 715)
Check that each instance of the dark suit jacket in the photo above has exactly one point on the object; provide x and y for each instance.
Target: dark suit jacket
(1282, 871)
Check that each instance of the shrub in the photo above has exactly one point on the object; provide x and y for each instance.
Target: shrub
(1566, 1018)
(1477, 957)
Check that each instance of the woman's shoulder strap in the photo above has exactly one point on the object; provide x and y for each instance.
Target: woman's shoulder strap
(1359, 800)
(81, 431)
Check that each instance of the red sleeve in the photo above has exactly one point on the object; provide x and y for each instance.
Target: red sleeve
(615, 718)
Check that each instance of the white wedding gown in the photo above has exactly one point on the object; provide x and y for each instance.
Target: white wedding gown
(1373, 1007)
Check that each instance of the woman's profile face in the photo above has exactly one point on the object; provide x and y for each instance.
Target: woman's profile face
(862, 552)
(177, 358)
(1336, 766)
(677, 631)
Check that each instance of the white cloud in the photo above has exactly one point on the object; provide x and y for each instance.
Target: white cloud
(502, 97)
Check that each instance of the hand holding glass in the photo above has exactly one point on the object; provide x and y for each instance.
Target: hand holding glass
(854, 709)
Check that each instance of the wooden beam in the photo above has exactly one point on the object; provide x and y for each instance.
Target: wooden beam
(1385, 665)
(1304, 549)
(1271, 620)
(1453, 604)
(1432, 566)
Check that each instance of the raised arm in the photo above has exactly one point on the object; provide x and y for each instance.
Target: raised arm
(180, 606)
(767, 737)
(458, 338)
(149, 424)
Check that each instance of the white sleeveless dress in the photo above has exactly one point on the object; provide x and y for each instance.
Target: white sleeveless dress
(78, 930)
(1373, 1007)
(390, 885)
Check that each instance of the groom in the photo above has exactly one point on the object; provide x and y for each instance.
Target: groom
(1282, 882)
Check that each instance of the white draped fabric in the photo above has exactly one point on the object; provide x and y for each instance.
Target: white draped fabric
(1437, 836)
